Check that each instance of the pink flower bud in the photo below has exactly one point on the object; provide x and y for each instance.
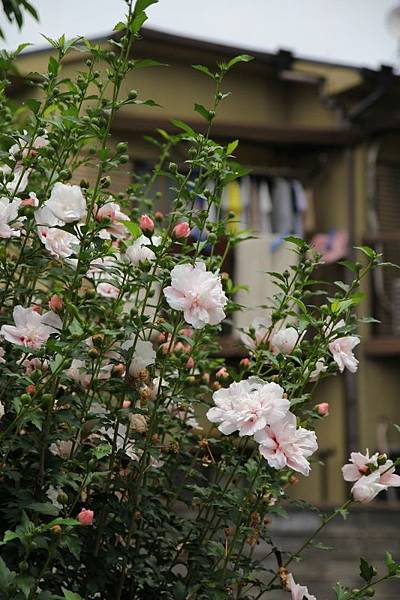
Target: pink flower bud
(28, 202)
(56, 303)
(36, 308)
(178, 347)
(162, 338)
(85, 517)
(146, 224)
(190, 363)
(222, 373)
(126, 404)
(244, 362)
(322, 409)
(181, 231)
(158, 215)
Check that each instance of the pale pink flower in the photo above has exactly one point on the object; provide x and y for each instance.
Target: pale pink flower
(189, 363)
(146, 224)
(112, 212)
(79, 372)
(31, 330)
(320, 367)
(370, 477)
(248, 406)
(342, 352)
(260, 329)
(33, 363)
(283, 444)
(284, 340)
(105, 267)
(10, 225)
(299, 592)
(358, 465)
(85, 517)
(181, 230)
(24, 143)
(107, 290)
(222, 373)
(198, 293)
(139, 252)
(58, 242)
(20, 177)
(65, 205)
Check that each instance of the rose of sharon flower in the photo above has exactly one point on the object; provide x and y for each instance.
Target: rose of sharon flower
(284, 340)
(320, 367)
(20, 177)
(298, 592)
(58, 242)
(65, 205)
(370, 477)
(9, 214)
(198, 293)
(107, 290)
(342, 352)
(143, 356)
(31, 329)
(248, 406)
(111, 211)
(261, 326)
(85, 517)
(138, 252)
(284, 445)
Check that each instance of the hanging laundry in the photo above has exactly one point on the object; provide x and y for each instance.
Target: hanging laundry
(233, 202)
(265, 204)
(246, 191)
(300, 207)
(332, 246)
(282, 206)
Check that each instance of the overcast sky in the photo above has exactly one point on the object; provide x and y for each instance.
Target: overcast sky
(345, 31)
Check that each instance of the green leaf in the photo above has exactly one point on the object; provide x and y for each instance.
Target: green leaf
(142, 5)
(199, 108)
(75, 328)
(44, 508)
(144, 63)
(204, 69)
(133, 229)
(120, 26)
(367, 571)
(6, 576)
(138, 22)
(71, 595)
(53, 66)
(370, 252)
(232, 147)
(238, 59)
(25, 583)
(341, 592)
(184, 126)
(102, 450)
(391, 565)
(33, 104)
(56, 362)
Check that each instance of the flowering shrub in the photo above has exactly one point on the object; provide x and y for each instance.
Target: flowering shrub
(135, 463)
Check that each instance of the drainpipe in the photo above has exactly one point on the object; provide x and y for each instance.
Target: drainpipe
(350, 379)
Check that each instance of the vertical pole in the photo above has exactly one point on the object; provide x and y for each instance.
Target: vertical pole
(350, 379)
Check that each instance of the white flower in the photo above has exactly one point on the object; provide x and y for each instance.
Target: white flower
(58, 242)
(198, 293)
(31, 329)
(9, 214)
(143, 356)
(107, 290)
(285, 445)
(284, 340)
(79, 372)
(368, 487)
(342, 352)
(138, 252)
(65, 205)
(248, 406)
(20, 178)
(298, 592)
(24, 143)
(261, 326)
(320, 367)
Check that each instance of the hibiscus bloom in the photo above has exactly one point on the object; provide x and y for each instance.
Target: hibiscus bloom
(283, 444)
(65, 205)
(139, 252)
(342, 352)
(260, 327)
(143, 356)
(31, 329)
(198, 293)
(9, 214)
(299, 592)
(284, 340)
(370, 477)
(58, 242)
(111, 212)
(248, 406)
(107, 290)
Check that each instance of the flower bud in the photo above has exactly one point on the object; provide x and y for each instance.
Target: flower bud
(244, 362)
(138, 423)
(146, 224)
(181, 231)
(322, 409)
(222, 373)
(56, 303)
(85, 517)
